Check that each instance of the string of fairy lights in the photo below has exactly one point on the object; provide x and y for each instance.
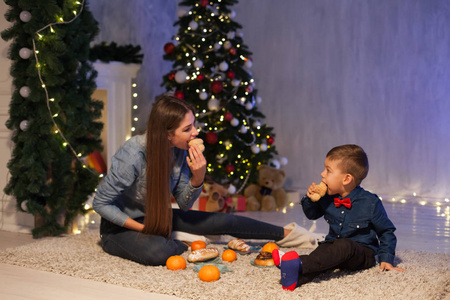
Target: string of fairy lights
(245, 122)
(24, 53)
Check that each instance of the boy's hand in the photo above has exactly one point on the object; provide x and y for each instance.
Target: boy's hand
(311, 189)
(384, 266)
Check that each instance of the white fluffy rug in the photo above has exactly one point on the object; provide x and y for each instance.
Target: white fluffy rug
(427, 275)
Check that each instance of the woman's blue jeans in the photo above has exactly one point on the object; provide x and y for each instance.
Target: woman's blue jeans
(154, 250)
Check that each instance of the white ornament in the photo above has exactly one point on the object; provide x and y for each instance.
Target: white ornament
(258, 100)
(274, 163)
(223, 66)
(193, 25)
(255, 149)
(203, 95)
(198, 64)
(25, 16)
(227, 45)
(213, 104)
(235, 82)
(263, 147)
(180, 76)
(243, 129)
(23, 205)
(231, 35)
(231, 189)
(256, 124)
(248, 64)
(242, 101)
(221, 158)
(217, 46)
(283, 161)
(24, 91)
(24, 125)
(25, 53)
(181, 13)
(234, 122)
(249, 106)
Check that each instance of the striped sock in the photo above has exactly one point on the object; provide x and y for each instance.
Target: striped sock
(290, 266)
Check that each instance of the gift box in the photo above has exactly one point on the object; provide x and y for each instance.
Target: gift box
(237, 202)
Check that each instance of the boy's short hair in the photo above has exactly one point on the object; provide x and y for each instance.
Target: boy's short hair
(353, 161)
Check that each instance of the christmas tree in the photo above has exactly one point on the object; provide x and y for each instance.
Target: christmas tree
(212, 70)
(51, 111)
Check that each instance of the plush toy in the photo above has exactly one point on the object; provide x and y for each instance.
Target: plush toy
(268, 194)
(216, 199)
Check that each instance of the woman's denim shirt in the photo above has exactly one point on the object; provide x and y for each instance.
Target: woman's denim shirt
(366, 222)
(121, 194)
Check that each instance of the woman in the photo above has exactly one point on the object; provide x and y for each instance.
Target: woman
(134, 198)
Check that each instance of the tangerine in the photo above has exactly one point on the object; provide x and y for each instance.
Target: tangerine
(198, 245)
(229, 255)
(209, 273)
(269, 247)
(176, 262)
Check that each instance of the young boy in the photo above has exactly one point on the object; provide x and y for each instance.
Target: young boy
(359, 225)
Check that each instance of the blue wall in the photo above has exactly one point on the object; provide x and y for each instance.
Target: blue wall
(374, 73)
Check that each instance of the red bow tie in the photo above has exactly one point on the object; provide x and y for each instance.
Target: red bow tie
(346, 202)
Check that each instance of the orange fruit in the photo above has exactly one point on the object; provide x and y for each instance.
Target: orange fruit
(198, 245)
(209, 273)
(229, 255)
(269, 247)
(176, 262)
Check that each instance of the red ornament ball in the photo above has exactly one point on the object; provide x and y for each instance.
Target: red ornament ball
(233, 51)
(270, 140)
(231, 74)
(229, 168)
(179, 94)
(216, 87)
(200, 77)
(171, 76)
(203, 3)
(228, 116)
(211, 137)
(169, 48)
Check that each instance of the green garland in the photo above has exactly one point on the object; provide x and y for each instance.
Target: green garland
(104, 52)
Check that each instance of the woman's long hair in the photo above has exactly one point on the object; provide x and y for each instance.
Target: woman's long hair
(166, 116)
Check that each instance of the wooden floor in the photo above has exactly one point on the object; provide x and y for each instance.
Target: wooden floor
(419, 228)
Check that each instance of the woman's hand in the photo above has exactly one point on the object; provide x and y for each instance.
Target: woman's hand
(197, 163)
(384, 266)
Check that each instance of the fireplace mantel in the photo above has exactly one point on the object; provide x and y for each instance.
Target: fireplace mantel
(116, 79)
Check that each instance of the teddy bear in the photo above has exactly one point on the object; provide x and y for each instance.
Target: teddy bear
(268, 193)
(216, 199)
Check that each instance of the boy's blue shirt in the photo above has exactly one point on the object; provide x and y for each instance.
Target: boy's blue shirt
(366, 222)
